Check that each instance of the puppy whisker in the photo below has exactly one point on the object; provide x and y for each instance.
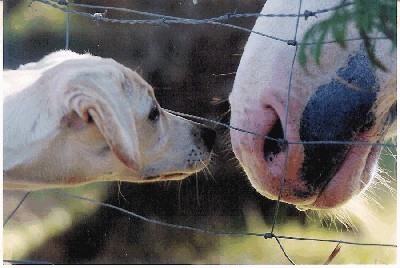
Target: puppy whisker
(206, 170)
(119, 183)
(197, 190)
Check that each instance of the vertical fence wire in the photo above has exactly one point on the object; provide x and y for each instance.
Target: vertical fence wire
(286, 121)
(67, 28)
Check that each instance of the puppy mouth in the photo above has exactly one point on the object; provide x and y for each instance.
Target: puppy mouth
(177, 175)
(191, 166)
(168, 177)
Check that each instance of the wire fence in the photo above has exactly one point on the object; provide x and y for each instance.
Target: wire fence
(223, 21)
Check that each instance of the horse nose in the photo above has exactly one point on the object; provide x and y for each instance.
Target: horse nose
(334, 113)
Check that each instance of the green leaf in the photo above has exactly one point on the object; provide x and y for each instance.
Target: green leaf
(369, 16)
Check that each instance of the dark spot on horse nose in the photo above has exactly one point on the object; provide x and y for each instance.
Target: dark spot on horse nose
(334, 113)
(208, 135)
(337, 112)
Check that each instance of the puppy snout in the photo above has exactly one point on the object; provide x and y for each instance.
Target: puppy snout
(208, 135)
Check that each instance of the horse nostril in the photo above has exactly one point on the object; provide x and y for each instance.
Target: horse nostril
(273, 147)
(208, 135)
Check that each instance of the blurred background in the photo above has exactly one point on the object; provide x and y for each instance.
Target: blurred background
(192, 69)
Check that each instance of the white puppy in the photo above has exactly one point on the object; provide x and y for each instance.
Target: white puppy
(72, 119)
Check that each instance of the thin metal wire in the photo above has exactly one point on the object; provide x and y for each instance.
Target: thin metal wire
(330, 142)
(284, 251)
(195, 229)
(27, 262)
(15, 209)
(67, 29)
(277, 202)
(335, 241)
(171, 225)
(222, 18)
(219, 21)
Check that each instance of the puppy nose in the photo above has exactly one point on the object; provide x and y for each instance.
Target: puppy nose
(208, 135)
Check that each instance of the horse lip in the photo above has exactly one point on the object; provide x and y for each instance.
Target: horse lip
(265, 174)
(350, 178)
(359, 162)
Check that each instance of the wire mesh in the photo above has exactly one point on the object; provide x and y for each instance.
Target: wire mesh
(223, 21)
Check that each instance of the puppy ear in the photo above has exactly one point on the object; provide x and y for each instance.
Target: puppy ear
(99, 97)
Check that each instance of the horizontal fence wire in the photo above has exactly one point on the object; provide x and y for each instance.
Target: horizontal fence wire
(163, 20)
(213, 232)
(268, 235)
(26, 262)
(282, 141)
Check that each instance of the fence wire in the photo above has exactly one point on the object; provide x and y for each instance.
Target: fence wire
(163, 20)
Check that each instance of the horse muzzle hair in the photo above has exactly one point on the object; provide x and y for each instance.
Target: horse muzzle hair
(323, 129)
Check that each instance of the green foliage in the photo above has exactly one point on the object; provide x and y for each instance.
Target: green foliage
(368, 16)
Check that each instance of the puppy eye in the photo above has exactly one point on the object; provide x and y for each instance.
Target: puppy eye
(154, 114)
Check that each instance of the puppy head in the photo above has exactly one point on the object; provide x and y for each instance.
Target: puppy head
(84, 119)
(113, 110)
